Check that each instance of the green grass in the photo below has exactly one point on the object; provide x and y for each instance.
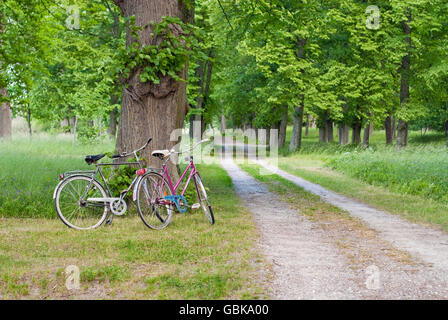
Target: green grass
(29, 171)
(417, 170)
(190, 259)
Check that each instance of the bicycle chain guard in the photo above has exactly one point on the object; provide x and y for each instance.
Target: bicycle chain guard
(177, 201)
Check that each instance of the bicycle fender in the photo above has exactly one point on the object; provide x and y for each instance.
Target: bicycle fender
(56, 189)
(134, 190)
(63, 180)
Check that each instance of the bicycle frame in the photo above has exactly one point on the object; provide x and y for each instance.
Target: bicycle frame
(93, 173)
(170, 183)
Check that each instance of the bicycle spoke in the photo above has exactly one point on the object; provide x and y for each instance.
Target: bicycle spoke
(76, 213)
(154, 214)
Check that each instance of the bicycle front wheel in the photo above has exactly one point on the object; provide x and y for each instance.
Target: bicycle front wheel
(203, 199)
(73, 207)
(153, 209)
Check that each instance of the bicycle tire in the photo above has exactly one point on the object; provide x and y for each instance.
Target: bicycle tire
(204, 200)
(75, 192)
(154, 216)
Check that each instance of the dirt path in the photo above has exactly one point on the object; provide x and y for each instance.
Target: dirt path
(427, 244)
(311, 261)
(304, 261)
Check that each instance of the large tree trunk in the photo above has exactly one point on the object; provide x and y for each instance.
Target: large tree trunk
(296, 138)
(389, 131)
(402, 130)
(152, 110)
(283, 127)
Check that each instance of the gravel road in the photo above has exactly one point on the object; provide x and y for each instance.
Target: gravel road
(308, 264)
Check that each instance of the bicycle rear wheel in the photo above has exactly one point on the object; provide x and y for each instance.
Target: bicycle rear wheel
(203, 199)
(153, 209)
(72, 205)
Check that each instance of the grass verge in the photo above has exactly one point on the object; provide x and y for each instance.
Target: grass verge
(189, 260)
(412, 207)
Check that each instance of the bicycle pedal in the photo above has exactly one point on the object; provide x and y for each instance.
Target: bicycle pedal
(195, 206)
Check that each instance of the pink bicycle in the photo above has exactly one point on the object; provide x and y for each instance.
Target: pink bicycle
(156, 196)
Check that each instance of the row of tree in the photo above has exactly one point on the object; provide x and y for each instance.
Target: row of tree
(257, 63)
(344, 63)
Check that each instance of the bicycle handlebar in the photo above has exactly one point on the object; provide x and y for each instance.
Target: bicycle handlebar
(125, 154)
(192, 148)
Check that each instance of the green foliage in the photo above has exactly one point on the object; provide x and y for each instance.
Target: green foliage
(120, 179)
(86, 132)
(102, 274)
(54, 72)
(167, 56)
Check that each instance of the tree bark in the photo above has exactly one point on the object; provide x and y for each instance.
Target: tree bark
(366, 137)
(296, 138)
(307, 128)
(152, 110)
(389, 131)
(5, 117)
(200, 74)
(28, 120)
(356, 135)
(208, 81)
(324, 128)
(394, 127)
(446, 126)
(402, 130)
(329, 130)
(223, 126)
(323, 135)
(282, 129)
(343, 133)
(113, 122)
(446, 132)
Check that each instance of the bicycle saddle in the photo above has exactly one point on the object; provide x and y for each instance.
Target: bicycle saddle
(160, 153)
(93, 159)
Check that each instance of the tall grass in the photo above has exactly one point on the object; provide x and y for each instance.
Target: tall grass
(29, 170)
(419, 169)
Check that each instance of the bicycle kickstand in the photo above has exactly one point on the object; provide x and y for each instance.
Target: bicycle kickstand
(109, 219)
